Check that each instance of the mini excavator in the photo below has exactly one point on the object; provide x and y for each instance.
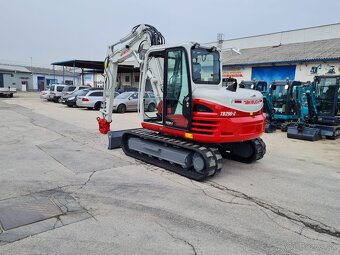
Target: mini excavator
(197, 122)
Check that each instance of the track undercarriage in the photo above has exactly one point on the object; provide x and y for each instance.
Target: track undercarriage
(190, 159)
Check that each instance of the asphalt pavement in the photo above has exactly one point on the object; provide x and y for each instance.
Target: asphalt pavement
(63, 192)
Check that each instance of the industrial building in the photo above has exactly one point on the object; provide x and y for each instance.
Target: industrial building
(33, 78)
(297, 54)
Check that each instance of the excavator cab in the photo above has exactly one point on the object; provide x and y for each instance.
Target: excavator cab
(327, 98)
(255, 85)
(284, 96)
(182, 69)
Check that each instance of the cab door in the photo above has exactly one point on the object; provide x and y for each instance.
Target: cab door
(177, 101)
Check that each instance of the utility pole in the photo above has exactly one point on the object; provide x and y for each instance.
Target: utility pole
(32, 73)
(220, 37)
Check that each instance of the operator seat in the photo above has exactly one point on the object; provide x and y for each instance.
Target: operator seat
(196, 72)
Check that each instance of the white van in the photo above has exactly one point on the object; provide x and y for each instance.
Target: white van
(56, 92)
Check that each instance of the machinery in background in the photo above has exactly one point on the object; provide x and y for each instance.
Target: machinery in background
(254, 84)
(197, 121)
(320, 110)
(268, 109)
(282, 103)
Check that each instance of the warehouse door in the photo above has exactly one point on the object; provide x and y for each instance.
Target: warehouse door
(271, 73)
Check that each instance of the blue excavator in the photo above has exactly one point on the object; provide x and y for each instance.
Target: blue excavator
(319, 110)
(280, 103)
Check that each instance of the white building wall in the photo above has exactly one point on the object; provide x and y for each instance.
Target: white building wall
(98, 80)
(285, 37)
(131, 81)
(306, 72)
(239, 73)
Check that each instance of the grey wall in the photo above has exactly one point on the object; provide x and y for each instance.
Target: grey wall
(14, 80)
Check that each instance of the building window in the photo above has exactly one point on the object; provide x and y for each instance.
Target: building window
(127, 78)
(136, 78)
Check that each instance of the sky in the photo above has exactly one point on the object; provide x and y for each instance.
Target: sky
(45, 31)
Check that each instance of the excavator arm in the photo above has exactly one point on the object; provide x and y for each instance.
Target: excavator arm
(136, 43)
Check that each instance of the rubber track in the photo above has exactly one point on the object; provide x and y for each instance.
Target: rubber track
(211, 155)
(260, 149)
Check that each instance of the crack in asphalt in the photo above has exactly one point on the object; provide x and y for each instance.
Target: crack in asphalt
(178, 238)
(88, 179)
(58, 220)
(296, 232)
(308, 222)
(223, 201)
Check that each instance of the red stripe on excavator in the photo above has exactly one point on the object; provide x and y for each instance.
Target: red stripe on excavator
(211, 127)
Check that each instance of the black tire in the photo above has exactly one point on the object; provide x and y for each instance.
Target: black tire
(121, 108)
(151, 107)
(69, 105)
(11, 95)
(97, 105)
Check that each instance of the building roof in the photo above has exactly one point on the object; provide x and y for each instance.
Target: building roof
(96, 66)
(47, 71)
(14, 68)
(88, 64)
(34, 70)
(324, 50)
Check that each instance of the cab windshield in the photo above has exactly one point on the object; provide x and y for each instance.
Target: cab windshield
(205, 66)
(325, 95)
(279, 95)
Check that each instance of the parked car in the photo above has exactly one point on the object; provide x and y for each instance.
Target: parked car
(70, 89)
(45, 94)
(127, 89)
(128, 101)
(71, 99)
(92, 100)
(56, 92)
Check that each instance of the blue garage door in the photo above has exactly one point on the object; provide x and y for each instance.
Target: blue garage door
(271, 73)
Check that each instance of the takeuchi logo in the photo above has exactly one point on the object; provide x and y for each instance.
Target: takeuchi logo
(253, 101)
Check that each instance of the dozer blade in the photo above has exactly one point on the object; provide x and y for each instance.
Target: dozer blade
(303, 132)
(270, 127)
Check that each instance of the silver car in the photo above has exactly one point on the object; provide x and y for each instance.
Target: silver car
(45, 94)
(128, 101)
(92, 100)
(71, 89)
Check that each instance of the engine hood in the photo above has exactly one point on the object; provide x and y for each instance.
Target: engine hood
(245, 100)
